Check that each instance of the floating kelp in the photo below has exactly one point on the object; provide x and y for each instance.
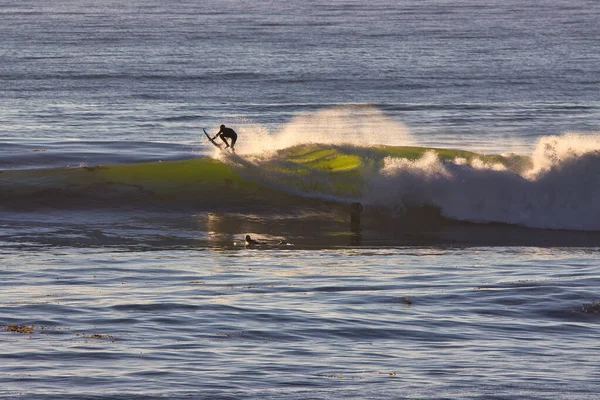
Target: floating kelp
(593, 308)
(23, 329)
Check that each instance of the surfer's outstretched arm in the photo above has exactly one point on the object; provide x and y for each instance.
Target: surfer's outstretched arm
(218, 133)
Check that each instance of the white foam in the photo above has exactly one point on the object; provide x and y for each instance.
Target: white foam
(561, 191)
(359, 125)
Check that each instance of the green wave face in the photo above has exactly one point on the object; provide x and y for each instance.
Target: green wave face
(302, 175)
(339, 172)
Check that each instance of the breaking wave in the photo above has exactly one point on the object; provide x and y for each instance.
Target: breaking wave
(554, 188)
(559, 190)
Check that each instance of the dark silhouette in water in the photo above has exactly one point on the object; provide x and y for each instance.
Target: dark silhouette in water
(251, 242)
(229, 133)
(356, 237)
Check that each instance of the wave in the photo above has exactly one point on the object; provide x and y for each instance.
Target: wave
(554, 188)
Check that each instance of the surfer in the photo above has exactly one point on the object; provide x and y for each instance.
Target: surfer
(251, 242)
(225, 132)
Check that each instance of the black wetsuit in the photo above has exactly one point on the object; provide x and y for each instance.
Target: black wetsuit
(228, 133)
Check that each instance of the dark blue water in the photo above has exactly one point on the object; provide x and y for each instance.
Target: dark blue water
(168, 304)
(414, 322)
(459, 73)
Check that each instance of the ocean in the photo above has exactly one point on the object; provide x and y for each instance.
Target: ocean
(419, 180)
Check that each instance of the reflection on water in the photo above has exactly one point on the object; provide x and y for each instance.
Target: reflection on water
(220, 231)
(325, 228)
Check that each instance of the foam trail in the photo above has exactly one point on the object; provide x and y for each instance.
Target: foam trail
(561, 191)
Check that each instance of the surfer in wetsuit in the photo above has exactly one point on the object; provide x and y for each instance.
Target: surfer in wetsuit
(227, 133)
(251, 242)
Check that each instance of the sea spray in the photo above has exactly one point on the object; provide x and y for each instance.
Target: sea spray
(358, 125)
(560, 191)
(552, 151)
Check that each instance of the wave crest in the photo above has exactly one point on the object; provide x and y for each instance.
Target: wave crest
(559, 191)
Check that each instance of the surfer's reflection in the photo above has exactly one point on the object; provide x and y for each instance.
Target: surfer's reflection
(355, 237)
(220, 230)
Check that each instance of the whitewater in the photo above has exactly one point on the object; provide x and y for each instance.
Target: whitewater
(553, 187)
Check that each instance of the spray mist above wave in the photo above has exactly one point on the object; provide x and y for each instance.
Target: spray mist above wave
(560, 191)
(359, 125)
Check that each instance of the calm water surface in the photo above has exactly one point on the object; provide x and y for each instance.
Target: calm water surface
(418, 322)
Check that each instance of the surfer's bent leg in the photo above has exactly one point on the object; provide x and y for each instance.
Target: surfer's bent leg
(223, 139)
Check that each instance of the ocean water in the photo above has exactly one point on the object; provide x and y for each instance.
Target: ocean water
(471, 271)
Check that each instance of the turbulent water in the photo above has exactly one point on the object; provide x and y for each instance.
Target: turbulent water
(467, 130)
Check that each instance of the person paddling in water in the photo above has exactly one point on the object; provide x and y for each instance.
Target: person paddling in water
(225, 132)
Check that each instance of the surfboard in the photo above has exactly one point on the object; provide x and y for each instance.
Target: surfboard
(212, 140)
